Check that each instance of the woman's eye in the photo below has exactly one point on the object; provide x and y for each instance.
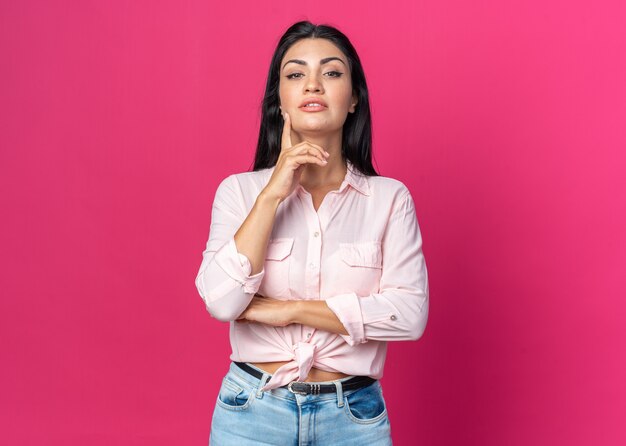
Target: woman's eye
(330, 73)
(336, 73)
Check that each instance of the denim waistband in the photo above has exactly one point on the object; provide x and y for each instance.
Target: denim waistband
(283, 392)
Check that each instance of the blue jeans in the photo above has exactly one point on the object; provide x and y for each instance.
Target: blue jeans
(244, 415)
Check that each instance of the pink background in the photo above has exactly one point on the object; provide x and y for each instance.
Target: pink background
(504, 118)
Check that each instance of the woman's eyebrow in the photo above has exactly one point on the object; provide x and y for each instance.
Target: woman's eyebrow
(322, 62)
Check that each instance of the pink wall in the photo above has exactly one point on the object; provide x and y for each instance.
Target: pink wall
(505, 119)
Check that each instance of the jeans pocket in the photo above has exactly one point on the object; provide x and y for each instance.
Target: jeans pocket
(365, 405)
(233, 395)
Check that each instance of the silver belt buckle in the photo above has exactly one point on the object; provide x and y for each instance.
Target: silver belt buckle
(295, 391)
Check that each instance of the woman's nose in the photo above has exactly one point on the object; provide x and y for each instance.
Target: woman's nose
(313, 84)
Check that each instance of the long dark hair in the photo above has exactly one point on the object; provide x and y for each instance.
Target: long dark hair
(357, 129)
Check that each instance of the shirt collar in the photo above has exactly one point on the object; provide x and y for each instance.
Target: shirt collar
(355, 179)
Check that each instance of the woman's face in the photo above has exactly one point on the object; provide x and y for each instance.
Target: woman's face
(320, 72)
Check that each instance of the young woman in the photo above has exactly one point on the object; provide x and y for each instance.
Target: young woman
(314, 259)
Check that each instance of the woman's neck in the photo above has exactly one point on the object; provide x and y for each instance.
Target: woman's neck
(317, 176)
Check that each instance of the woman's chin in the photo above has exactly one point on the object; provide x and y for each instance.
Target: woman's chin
(312, 126)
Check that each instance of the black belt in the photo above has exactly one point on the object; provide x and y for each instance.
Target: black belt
(304, 388)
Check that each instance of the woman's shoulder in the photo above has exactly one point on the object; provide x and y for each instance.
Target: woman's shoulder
(387, 187)
(248, 182)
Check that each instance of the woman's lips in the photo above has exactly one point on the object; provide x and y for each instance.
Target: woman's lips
(312, 108)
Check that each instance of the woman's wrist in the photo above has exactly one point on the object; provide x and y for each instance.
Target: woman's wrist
(293, 309)
(267, 201)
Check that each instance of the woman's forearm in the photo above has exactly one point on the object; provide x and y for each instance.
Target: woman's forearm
(252, 236)
(315, 313)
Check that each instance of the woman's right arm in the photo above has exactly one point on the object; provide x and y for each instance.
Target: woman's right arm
(232, 263)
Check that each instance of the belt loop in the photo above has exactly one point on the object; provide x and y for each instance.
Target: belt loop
(259, 392)
(339, 387)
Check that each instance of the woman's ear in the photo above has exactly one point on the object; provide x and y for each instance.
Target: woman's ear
(354, 102)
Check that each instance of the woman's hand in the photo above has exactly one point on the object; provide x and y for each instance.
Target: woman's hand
(267, 310)
(291, 162)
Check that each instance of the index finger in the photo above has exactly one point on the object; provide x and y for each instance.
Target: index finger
(286, 136)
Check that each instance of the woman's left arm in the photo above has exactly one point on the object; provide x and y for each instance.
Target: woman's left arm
(399, 312)
(276, 312)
